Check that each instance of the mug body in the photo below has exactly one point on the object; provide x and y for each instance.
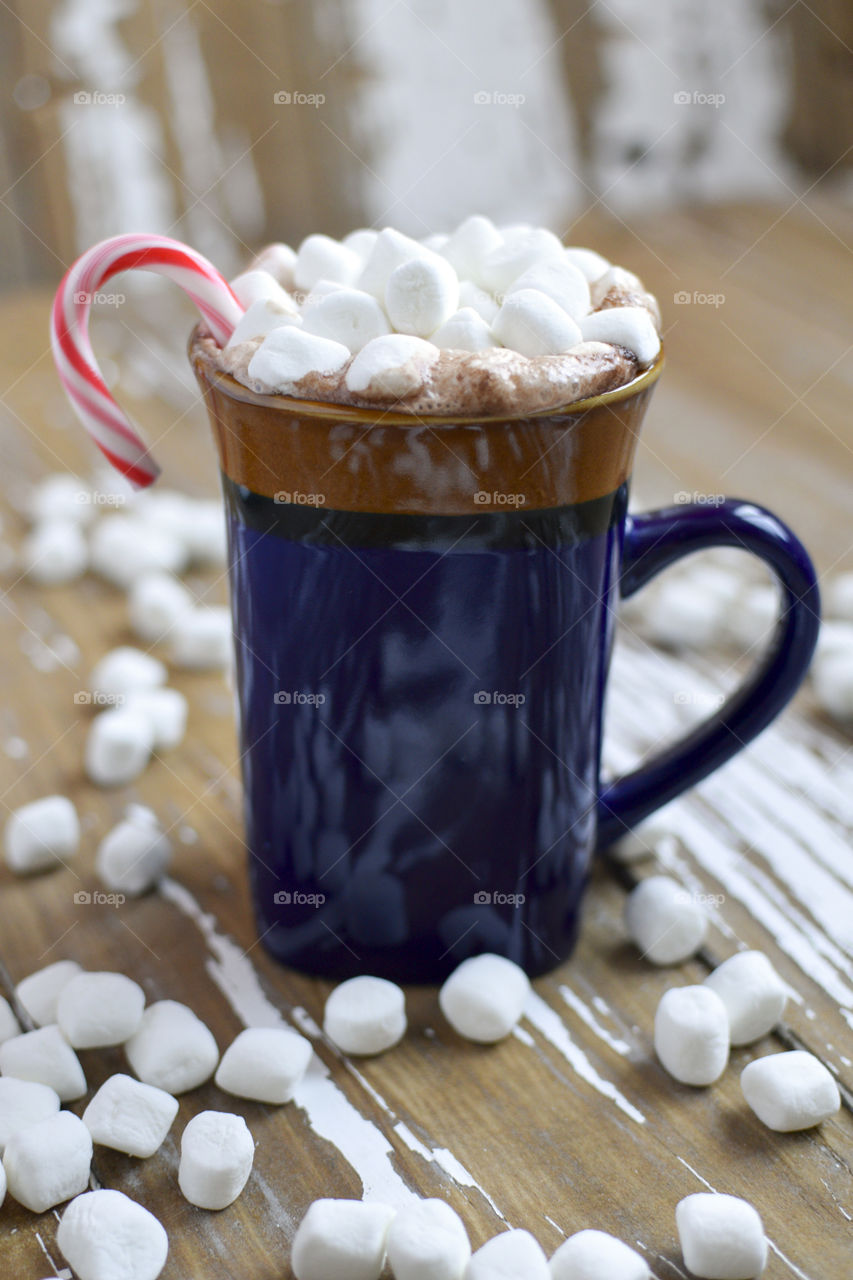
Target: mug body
(423, 613)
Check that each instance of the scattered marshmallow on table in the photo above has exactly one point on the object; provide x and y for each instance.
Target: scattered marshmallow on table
(559, 280)
(753, 993)
(512, 1253)
(54, 552)
(629, 327)
(104, 1235)
(23, 1103)
(9, 1025)
(132, 857)
(46, 1057)
(264, 1064)
(594, 1255)
(172, 1049)
(217, 1151)
(692, 1034)
(837, 597)
(125, 669)
(484, 997)
(166, 711)
(421, 294)
(465, 330)
(60, 497)
(392, 365)
(344, 1239)
(122, 547)
(722, 1237)
(41, 834)
(644, 840)
(96, 1010)
(349, 316)
(118, 746)
(428, 1241)
(320, 257)
(202, 639)
(683, 617)
(365, 1015)
(49, 1161)
(39, 992)
(790, 1091)
(664, 920)
(535, 325)
(130, 1116)
(832, 682)
(154, 604)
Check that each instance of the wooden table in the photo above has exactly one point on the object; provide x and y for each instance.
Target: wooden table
(571, 1122)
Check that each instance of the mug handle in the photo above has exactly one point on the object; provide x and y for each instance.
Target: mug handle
(652, 542)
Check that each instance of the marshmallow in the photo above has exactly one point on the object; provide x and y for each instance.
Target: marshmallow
(684, 616)
(348, 316)
(428, 1241)
(265, 1064)
(832, 681)
(790, 1091)
(60, 497)
(753, 616)
(23, 1103)
(39, 992)
(535, 325)
(435, 241)
(513, 1253)
(420, 295)
(288, 354)
(390, 249)
(258, 285)
(484, 997)
(118, 747)
(198, 524)
(202, 639)
(341, 1238)
(722, 1237)
(629, 327)
(322, 289)
(41, 834)
(664, 921)
(9, 1025)
(592, 1255)
(361, 241)
(471, 295)
(133, 856)
(753, 993)
(129, 1116)
(104, 1235)
(644, 840)
(279, 261)
(558, 280)
(123, 547)
(835, 637)
(155, 603)
(465, 330)
(390, 367)
(166, 711)
(96, 1010)
(261, 318)
(49, 1161)
(205, 533)
(365, 1015)
(46, 1057)
(468, 247)
(54, 552)
(124, 669)
(614, 278)
(837, 597)
(521, 248)
(322, 258)
(692, 1034)
(588, 262)
(172, 1048)
(217, 1151)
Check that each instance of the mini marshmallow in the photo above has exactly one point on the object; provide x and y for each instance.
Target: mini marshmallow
(39, 992)
(420, 295)
(49, 1161)
(322, 258)
(471, 295)
(361, 241)
(520, 249)
(172, 1049)
(133, 856)
(484, 997)
(122, 547)
(644, 841)
(832, 682)
(279, 261)
(154, 604)
(592, 1255)
(629, 327)
(258, 285)
(341, 1238)
(60, 497)
(118, 746)
(54, 552)
(435, 241)
(468, 247)
(365, 1015)
(790, 1091)
(203, 639)
(46, 1057)
(288, 354)
(753, 616)
(124, 669)
(41, 834)
(130, 1116)
(684, 616)
(104, 1235)
(465, 330)
(722, 1237)
(390, 249)
(558, 280)
(96, 1010)
(664, 921)
(835, 637)
(166, 711)
(512, 1253)
(197, 524)
(261, 318)
(692, 1034)
(428, 1241)
(390, 367)
(588, 262)
(217, 1151)
(23, 1103)
(837, 597)
(614, 278)
(264, 1064)
(348, 316)
(205, 535)
(9, 1025)
(535, 325)
(753, 993)
(322, 289)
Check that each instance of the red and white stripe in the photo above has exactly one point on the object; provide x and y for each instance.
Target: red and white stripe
(106, 423)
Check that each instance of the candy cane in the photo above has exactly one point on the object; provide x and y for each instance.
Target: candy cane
(78, 370)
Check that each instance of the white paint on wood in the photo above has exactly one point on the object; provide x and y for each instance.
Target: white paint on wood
(586, 1015)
